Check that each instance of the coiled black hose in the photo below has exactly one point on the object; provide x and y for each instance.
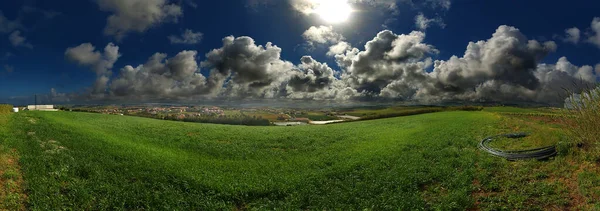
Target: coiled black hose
(537, 153)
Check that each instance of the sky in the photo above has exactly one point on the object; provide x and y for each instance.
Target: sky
(425, 51)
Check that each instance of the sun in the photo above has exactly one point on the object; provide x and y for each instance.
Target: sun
(334, 11)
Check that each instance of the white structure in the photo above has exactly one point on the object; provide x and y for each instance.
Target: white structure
(41, 108)
(15, 109)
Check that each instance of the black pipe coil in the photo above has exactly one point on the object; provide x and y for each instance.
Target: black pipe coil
(537, 153)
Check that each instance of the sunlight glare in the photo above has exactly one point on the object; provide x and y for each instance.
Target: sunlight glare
(334, 11)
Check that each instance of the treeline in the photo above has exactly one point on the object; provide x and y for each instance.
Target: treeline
(421, 111)
(5, 109)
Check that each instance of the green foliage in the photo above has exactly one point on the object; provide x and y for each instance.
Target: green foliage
(4, 109)
(584, 111)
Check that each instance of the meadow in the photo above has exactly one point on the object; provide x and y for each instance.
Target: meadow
(86, 161)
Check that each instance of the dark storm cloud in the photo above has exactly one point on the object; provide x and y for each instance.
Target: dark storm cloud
(314, 76)
(491, 69)
(387, 58)
(249, 70)
(316, 80)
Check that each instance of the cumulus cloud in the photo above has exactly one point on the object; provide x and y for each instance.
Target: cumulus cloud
(388, 57)
(86, 55)
(422, 22)
(572, 35)
(313, 76)
(595, 35)
(248, 69)
(101, 63)
(321, 35)
(503, 68)
(555, 78)
(339, 48)
(17, 40)
(137, 15)
(316, 81)
(56, 96)
(188, 37)
(161, 78)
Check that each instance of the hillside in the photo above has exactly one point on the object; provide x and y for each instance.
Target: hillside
(92, 161)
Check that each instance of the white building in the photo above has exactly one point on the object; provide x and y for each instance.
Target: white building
(41, 108)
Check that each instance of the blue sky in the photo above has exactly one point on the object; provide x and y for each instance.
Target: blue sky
(39, 63)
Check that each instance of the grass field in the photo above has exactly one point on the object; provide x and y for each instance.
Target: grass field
(378, 111)
(86, 161)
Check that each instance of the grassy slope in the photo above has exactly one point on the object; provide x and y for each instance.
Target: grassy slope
(91, 161)
(11, 191)
(127, 162)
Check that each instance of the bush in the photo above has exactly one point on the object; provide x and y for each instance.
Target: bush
(583, 111)
(5, 109)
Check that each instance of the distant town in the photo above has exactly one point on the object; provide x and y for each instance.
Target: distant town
(223, 115)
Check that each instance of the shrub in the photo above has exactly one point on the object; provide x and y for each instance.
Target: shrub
(583, 112)
(4, 109)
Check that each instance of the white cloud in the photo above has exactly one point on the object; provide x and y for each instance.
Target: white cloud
(572, 35)
(101, 63)
(504, 68)
(17, 40)
(339, 48)
(7, 25)
(161, 78)
(444, 4)
(137, 15)
(595, 36)
(188, 37)
(422, 22)
(83, 54)
(321, 35)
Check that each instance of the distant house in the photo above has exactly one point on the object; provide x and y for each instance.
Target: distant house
(41, 108)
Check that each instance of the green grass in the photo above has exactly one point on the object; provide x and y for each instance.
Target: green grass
(11, 191)
(511, 110)
(135, 163)
(85, 161)
(379, 111)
